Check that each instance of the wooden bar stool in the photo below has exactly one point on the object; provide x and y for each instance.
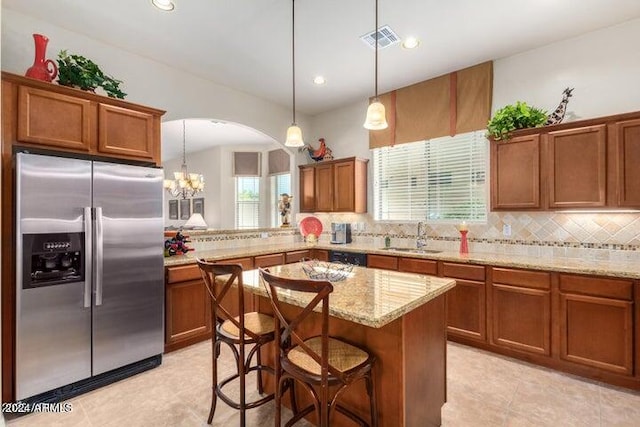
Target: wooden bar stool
(258, 330)
(316, 362)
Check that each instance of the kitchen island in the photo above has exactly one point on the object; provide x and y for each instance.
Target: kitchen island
(400, 318)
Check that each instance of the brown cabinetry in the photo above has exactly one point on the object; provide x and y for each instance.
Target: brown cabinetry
(296, 256)
(577, 166)
(382, 261)
(515, 173)
(416, 265)
(521, 310)
(466, 304)
(268, 260)
(64, 119)
(626, 135)
(334, 186)
(307, 188)
(324, 188)
(188, 307)
(596, 322)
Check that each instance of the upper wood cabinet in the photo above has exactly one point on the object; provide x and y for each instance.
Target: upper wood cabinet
(334, 186)
(515, 173)
(586, 164)
(307, 188)
(51, 116)
(577, 167)
(625, 136)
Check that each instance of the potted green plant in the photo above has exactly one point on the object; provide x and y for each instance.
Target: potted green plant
(512, 117)
(78, 71)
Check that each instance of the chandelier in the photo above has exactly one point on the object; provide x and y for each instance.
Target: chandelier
(184, 184)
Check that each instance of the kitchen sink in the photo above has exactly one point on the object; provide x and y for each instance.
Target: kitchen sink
(412, 250)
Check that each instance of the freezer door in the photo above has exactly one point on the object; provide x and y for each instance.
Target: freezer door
(53, 324)
(128, 315)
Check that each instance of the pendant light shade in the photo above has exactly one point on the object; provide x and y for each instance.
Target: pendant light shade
(294, 136)
(294, 133)
(376, 116)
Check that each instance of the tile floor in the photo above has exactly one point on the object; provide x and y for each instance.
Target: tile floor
(484, 390)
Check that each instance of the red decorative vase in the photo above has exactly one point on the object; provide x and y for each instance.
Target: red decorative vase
(464, 245)
(40, 68)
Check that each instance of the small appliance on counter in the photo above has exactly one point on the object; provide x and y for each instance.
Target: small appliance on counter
(340, 232)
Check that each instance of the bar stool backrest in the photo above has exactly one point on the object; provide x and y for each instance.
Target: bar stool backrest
(290, 328)
(218, 292)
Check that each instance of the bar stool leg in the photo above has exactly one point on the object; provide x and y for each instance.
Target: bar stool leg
(241, 372)
(259, 362)
(214, 370)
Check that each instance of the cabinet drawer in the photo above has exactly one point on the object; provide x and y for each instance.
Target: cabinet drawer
(524, 278)
(320, 254)
(599, 287)
(246, 263)
(268, 260)
(183, 273)
(463, 271)
(382, 261)
(422, 266)
(296, 256)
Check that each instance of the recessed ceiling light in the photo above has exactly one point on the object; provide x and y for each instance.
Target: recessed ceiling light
(166, 5)
(410, 43)
(319, 80)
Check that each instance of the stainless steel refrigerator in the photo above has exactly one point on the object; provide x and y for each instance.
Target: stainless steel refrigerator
(90, 287)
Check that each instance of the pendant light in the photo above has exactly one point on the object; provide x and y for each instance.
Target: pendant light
(376, 116)
(294, 133)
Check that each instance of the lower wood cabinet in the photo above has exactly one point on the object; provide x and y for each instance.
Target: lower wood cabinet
(268, 260)
(596, 322)
(188, 314)
(466, 302)
(521, 310)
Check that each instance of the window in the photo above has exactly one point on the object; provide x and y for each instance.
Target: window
(279, 184)
(437, 180)
(247, 201)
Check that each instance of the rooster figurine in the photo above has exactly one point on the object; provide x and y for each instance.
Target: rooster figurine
(322, 153)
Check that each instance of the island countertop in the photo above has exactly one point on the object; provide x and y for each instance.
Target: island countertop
(369, 296)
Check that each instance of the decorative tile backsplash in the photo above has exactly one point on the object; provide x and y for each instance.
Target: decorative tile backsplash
(594, 235)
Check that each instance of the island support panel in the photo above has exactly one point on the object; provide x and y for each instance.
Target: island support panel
(410, 368)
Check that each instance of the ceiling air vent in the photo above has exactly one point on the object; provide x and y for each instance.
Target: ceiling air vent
(386, 38)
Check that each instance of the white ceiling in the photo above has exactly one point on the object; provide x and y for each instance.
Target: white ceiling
(246, 44)
(201, 134)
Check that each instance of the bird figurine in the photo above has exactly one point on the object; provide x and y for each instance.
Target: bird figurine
(557, 116)
(321, 153)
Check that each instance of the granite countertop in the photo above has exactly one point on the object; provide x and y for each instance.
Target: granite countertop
(622, 269)
(368, 296)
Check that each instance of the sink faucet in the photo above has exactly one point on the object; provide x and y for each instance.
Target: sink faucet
(421, 240)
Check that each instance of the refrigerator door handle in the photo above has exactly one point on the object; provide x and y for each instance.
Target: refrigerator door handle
(99, 257)
(88, 261)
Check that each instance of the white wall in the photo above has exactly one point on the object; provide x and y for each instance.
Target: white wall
(216, 165)
(146, 82)
(603, 66)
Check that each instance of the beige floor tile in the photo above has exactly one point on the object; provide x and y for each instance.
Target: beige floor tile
(619, 407)
(484, 389)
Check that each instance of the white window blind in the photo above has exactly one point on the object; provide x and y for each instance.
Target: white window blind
(247, 202)
(279, 184)
(439, 179)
